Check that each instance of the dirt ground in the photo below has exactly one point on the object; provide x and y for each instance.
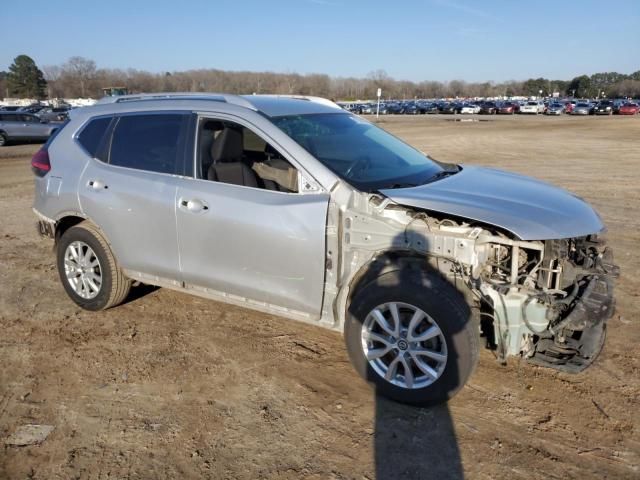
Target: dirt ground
(173, 386)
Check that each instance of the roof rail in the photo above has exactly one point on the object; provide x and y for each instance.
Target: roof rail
(310, 98)
(213, 97)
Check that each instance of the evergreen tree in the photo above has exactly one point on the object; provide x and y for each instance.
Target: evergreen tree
(25, 79)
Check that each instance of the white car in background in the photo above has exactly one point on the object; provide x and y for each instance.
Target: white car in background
(470, 108)
(532, 106)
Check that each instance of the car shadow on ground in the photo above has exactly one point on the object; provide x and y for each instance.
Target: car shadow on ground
(415, 443)
(139, 291)
(418, 442)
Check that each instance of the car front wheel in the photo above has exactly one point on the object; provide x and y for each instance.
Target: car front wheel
(412, 336)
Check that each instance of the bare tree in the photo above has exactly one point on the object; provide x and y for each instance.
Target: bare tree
(82, 71)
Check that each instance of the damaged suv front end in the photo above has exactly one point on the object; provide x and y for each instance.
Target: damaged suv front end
(542, 270)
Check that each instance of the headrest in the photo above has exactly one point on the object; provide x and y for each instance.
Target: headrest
(228, 146)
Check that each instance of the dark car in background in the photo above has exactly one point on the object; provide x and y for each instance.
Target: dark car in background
(604, 107)
(488, 108)
(447, 107)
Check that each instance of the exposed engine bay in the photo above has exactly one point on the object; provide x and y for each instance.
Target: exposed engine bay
(545, 300)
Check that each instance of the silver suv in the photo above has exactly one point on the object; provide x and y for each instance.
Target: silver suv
(18, 126)
(295, 207)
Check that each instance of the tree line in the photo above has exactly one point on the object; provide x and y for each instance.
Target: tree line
(81, 78)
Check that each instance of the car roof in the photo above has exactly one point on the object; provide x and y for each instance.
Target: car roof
(269, 105)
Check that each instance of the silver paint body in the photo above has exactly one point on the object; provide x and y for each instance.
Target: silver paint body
(291, 254)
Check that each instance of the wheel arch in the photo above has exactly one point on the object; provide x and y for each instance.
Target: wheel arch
(65, 223)
(390, 261)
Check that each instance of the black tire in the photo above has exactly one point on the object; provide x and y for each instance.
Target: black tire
(440, 300)
(114, 287)
(3, 139)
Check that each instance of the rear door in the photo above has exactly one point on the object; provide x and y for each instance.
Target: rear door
(130, 190)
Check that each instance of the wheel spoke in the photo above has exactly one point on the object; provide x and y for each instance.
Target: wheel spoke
(375, 337)
(438, 357)
(377, 353)
(424, 367)
(432, 332)
(414, 322)
(396, 319)
(70, 264)
(92, 284)
(392, 370)
(85, 286)
(408, 372)
(380, 320)
(77, 285)
(87, 256)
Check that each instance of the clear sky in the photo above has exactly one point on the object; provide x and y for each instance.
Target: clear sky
(473, 40)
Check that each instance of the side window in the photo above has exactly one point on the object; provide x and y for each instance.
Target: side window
(148, 142)
(91, 135)
(231, 153)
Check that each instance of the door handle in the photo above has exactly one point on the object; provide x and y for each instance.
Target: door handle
(97, 184)
(194, 205)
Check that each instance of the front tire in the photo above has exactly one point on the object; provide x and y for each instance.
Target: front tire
(3, 139)
(411, 334)
(88, 269)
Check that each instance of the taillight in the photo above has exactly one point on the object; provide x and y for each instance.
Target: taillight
(40, 163)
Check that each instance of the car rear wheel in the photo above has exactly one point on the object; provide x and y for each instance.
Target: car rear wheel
(412, 337)
(3, 139)
(88, 269)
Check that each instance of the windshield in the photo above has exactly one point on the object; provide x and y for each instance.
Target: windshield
(359, 152)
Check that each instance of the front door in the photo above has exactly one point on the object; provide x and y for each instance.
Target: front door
(241, 233)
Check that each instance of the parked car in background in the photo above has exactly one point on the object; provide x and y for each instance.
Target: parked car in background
(617, 103)
(569, 106)
(582, 108)
(329, 220)
(508, 108)
(470, 108)
(447, 107)
(532, 106)
(54, 114)
(629, 108)
(428, 107)
(18, 126)
(488, 108)
(555, 108)
(604, 107)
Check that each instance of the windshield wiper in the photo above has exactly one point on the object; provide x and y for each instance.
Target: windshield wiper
(442, 174)
(398, 185)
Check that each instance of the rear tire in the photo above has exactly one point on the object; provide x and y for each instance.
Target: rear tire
(3, 139)
(451, 347)
(88, 269)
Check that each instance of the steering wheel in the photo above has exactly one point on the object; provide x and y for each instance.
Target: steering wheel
(361, 161)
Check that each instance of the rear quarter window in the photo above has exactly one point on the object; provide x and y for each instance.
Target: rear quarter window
(92, 134)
